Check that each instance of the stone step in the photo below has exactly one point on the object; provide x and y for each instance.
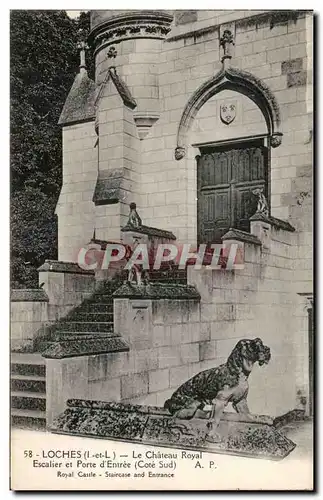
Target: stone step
(103, 326)
(29, 383)
(102, 298)
(91, 317)
(32, 358)
(29, 419)
(23, 412)
(28, 400)
(69, 336)
(94, 308)
(28, 369)
(26, 394)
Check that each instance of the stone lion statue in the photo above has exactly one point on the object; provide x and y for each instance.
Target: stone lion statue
(228, 383)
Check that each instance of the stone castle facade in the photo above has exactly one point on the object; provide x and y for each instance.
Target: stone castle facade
(189, 113)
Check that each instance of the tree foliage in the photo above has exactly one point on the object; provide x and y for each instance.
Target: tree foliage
(44, 61)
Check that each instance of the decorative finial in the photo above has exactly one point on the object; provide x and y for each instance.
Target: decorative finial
(94, 236)
(226, 42)
(82, 46)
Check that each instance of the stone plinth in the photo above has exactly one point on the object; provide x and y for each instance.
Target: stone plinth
(151, 425)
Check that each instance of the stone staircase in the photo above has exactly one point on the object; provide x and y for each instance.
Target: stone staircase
(92, 318)
(91, 321)
(28, 390)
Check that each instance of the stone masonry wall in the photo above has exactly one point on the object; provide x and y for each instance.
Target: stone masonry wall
(75, 209)
(172, 340)
(281, 55)
(26, 318)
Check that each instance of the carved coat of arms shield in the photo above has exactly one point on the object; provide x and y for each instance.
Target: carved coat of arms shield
(228, 112)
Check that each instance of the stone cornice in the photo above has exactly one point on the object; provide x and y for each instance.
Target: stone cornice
(236, 234)
(29, 295)
(56, 266)
(85, 346)
(150, 231)
(157, 291)
(268, 17)
(131, 24)
(273, 221)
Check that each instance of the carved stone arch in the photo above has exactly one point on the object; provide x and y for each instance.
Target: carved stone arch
(239, 81)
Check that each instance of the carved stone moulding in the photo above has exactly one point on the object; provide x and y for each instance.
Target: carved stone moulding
(130, 24)
(276, 139)
(241, 82)
(180, 152)
(155, 426)
(144, 121)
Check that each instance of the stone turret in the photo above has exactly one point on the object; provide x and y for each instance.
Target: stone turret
(127, 48)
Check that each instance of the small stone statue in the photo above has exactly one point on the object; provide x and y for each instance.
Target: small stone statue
(134, 219)
(137, 275)
(262, 207)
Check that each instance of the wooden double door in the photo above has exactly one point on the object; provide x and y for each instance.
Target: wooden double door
(226, 177)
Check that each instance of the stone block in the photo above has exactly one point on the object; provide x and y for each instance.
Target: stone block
(106, 390)
(223, 330)
(199, 331)
(261, 229)
(286, 96)
(278, 55)
(297, 79)
(169, 356)
(178, 375)
(158, 380)
(179, 334)
(298, 51)
(208, 312)
(274, 31)
(161, 335)
(292, 65)
(254, 60)
(134, 385)
(207, 350)
(194, 312)
(145, 360)
(189, 353)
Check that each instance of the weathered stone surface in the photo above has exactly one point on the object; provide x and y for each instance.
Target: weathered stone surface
(150, 231)
(108, 186)
(292, 65)
(157, 291)
(56, 266)
(186, 16)
(154, 426)
(84, 345)
(273, 221)
(296, 79)
(79, 105)
(29, 295)
(236, 234)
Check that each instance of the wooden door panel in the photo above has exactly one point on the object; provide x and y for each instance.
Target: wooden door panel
(214, 215)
